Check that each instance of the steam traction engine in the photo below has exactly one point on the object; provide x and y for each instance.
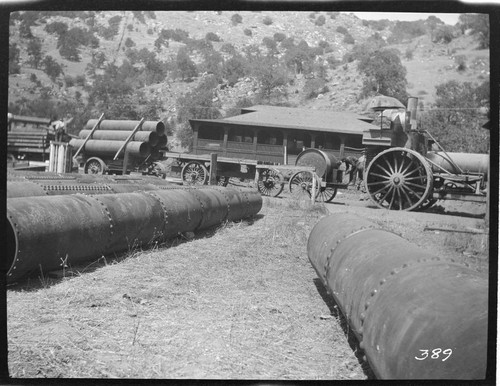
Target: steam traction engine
(403, 172)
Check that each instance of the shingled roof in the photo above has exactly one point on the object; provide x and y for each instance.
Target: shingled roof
(299, 118)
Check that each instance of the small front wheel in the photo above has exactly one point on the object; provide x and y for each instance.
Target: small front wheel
(301, 184)
(194, 173)
(270, 183)
(95, 165)
(327, 193)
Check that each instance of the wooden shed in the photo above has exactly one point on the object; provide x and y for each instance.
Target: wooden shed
(278, 134)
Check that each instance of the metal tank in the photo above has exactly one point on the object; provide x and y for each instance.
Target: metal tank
(324, 162)
(45, 232)
(416, 315)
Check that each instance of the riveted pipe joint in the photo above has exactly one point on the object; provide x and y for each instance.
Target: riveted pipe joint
(416, 315)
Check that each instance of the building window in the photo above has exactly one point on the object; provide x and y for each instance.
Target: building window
(240, 134)
(354, 141)
(270, 137)
(332, 142)
(211, 132)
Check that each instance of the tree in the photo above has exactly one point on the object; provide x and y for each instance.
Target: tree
(185, 66)
(455, 119)
(14, 67)
(234, 69)
(196, 104)
(272, 77)
(52, 68)
(384, 74)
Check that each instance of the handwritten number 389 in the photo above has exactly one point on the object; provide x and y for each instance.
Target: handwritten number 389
(435, 354)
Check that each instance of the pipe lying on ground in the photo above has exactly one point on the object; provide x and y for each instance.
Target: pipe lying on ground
(416, 316)
(125, 125)
(47, 231)
(468, 162)
(82, 183)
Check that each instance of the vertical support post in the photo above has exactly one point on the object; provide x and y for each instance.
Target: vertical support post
(213, 169)
(285, 151)
(257, 175)
(125, 162)
(60, 158)
(52, 157)
(313, 189)
(342, 146)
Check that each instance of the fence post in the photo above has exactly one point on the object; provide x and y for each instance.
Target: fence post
(213, 169)
(313, 189)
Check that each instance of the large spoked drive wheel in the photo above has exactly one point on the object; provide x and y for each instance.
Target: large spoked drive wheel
(95, 165)
(301, 184)
(399, 179)
(327, 194)
(270, 183)
(194, 173)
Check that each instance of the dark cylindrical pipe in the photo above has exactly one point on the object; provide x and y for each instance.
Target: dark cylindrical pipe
(417, 316)
(48, 231)
(102, 147)
(157, 126)
(120, 135)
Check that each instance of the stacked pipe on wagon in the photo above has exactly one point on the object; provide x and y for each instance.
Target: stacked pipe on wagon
(47, 232)
(416, 315)
(111, 134)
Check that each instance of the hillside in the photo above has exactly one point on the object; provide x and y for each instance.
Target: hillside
(427, 63)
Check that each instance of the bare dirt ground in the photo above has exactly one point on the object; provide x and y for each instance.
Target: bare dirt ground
(238, 302)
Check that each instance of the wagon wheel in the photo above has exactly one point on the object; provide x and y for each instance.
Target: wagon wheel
(270, 182)
(95, 165)
(222, 180)
(194, 173)
(399, 179)
(327, 194)
(301, 183)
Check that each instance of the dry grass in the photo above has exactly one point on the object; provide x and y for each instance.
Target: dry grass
(239, 302)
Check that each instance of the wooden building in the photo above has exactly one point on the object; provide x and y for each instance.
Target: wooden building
(274, 134)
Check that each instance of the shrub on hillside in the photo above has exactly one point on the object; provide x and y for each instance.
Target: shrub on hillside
(267, 20)
(443, 34)
(314, 87)
(70, 82)
(213, 37)
(247, 32)
(320, 20)
(56, 27)
(129, 43)
(342, 30)
(461, 62)
(52, 68)
(279, 37)
(236, 19)
(348, 39)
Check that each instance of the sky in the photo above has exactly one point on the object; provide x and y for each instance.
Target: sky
(448, 18)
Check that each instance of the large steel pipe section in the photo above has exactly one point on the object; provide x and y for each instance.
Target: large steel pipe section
(120, 135)
(157, 126)
(417, 316)
(104, 147)
(468, 162)
(48, 231)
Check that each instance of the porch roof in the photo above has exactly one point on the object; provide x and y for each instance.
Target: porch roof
(298, 119)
